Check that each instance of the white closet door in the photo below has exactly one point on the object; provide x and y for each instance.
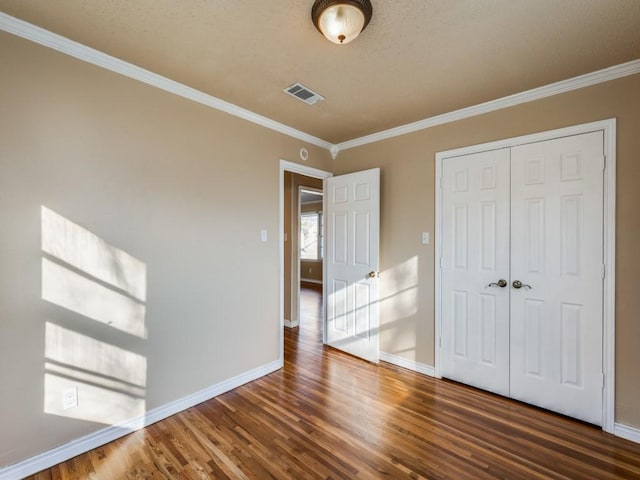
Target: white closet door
(557, 254)
(475, 246)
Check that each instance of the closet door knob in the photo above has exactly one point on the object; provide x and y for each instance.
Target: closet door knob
(519, 284)
(501, 283)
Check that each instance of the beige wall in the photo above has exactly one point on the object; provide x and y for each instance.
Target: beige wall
(181, 187)
(311, 270)
(407, 208)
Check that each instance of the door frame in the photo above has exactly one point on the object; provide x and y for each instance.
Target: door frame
(608, 127)
(287, 166)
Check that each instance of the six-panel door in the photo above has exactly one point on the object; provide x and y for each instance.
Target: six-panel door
(556, 253)
(475, 232)
(352, 262)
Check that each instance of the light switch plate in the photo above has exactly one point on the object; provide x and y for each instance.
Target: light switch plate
(425, 238)
(263, 235)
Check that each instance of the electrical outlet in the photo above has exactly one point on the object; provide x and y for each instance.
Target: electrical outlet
(70, 398)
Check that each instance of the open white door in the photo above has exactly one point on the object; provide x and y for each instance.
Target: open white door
(352, 217)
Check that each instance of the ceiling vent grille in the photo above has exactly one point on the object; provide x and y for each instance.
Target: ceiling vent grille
(303, 93)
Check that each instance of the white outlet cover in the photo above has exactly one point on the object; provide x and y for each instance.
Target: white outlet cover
(425, 238)
(263, 235)
(70, 398)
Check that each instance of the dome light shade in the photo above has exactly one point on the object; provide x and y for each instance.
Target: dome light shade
(341, 21)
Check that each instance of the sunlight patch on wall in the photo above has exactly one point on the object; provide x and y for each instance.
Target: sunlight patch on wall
(399, 301)
(399, 290)
(86, 378)
(85, 251)
(110, 380)
(80, 351)
(95, 403)
(86, 297)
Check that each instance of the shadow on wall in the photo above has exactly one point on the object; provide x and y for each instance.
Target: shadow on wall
(87, 378)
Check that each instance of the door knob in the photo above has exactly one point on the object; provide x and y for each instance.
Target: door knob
(519, 284)
(501, 283)
(372, 274)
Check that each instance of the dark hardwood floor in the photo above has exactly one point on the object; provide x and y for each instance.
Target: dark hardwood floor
(327, 415)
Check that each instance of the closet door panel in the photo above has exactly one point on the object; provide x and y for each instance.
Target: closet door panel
(556, 254)
(475, 316)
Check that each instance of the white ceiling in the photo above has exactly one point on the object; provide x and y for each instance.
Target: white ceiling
(416, 59)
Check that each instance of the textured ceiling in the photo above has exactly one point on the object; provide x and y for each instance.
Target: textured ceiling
(416, 59)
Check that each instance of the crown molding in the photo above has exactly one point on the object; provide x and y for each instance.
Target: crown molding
(62, 44)
(575, 83)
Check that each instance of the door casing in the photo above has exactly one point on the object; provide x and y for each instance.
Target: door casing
(608, 127)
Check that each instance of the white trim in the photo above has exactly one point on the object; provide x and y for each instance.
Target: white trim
(82, 52)
(309, 172)
(608, 127)
(609, 293)
(101, 437)
(575, 83)
(627, 432)
(290, 324)
(310, 280)
(408, 364)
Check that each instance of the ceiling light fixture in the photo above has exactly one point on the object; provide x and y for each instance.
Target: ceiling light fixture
(341, 21)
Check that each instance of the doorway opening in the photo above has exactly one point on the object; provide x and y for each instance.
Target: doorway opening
(310, 248)
(310, 260)
(301, 248)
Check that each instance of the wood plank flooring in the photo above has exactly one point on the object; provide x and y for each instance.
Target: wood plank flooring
(327, 415)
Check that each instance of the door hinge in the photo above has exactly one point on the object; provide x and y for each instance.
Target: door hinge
(604, 162)
(440, 341)
(603, 270)
(441, 262)
(602, 380)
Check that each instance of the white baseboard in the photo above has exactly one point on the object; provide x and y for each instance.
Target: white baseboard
(291, 324)
(310, 280)
(625, 431)
(408, 364)
(81, 445)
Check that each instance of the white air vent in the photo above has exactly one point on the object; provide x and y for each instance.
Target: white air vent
(303, 93)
